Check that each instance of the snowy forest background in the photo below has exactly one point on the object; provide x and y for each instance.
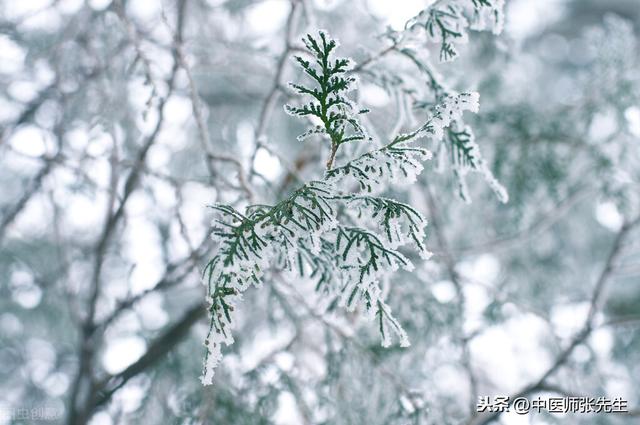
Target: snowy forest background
(121, 121)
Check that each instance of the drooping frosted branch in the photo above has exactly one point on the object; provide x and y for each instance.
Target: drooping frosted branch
(318, 230)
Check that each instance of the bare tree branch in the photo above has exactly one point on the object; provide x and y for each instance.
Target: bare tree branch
(157, 351)
(449, 263)
(203, 130)
(597, 299)
(272, 97)
(34, 186)
(81, 388)
(541, 225)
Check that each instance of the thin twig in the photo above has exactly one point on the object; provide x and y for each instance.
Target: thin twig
(203, 130)
(83, 386)
(597, 299)
(449, 263)
(393, 378)
(540, 226)
(270, 101)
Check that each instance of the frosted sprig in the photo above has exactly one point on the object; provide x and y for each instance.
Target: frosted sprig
(488, 15)
(302, 234)
(400, 161)
(447, 23)
(464, 153)
(248, 243)
(348, 240)
(388, 324)
(465, 157)
(335, 113)
(398, 221)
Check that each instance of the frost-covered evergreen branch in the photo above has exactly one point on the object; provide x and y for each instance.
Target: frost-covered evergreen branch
(334, 113)
(465, 157)
(346, 240)
(448, 22)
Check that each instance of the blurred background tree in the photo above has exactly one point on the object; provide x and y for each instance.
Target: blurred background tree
(121, 121)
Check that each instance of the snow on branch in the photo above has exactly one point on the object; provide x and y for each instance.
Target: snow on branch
(448, 22)
(346, 240)
(329, 107)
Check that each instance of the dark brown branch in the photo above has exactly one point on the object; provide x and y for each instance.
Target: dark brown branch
(31, 189)
(455, 279)
(597, 299)
(158, 349)
(81, 388)
(168, 280)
